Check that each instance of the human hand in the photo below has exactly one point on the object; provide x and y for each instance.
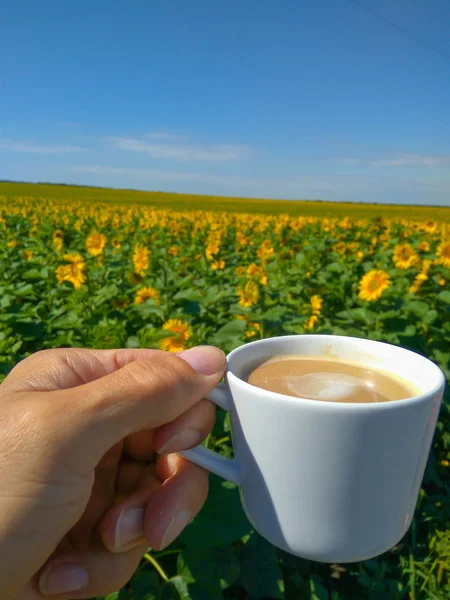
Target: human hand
(82, 492)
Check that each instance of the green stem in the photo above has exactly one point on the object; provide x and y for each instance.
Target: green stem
(222, 440)
(152, 560)
(169, 552)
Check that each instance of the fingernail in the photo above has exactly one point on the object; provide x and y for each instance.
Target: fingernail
(176, 526)
(180, 441)
(63, 579)
(129, 528)
(207, 360)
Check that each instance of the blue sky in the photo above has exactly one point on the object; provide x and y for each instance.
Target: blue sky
(287, 99)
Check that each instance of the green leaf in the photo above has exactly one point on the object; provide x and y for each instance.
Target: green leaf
(132, 342)
(211, 569)
(148, 309)
(260, 571)
(275, 313)
(236, 327)
(198, 566)
(430, 316)
(221, 520)
(179, 585)
(192, 295)
(444, 296)
(360, 314)
(145, 583)
(65, 321)
(23, 290)
(418, 308)
(32, 274)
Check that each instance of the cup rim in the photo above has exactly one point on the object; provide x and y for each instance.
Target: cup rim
(391, 405)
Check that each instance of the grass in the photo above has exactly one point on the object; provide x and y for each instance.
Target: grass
(315, 208)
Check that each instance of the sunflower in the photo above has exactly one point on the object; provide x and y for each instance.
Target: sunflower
(424, 246)
(95, 243)
(72, 272)
(177, 342)
(140, 259)
(147, 292)
(441, 280)
(419, 280)
(12, 244)
(254, 329)
(249, 295)
(430, 226)
(404, 256)
(74, 258)
(116, 244)
(58, 240)
(310, 323)
(316, 304)
(174, 251)
(256, 272)
(28, 254)
(265, 250)
(212, 249)
(373, 284)
(443, 252)
(218, 265)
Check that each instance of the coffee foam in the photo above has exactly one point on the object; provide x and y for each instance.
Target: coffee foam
(329, 387)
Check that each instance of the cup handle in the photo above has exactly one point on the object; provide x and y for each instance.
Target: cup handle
(203, 457)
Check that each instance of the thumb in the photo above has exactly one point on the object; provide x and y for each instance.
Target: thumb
(143, 394)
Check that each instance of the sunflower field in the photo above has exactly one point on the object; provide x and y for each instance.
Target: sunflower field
(120, 274)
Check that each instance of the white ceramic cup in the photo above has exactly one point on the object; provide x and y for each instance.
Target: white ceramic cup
(327, 481)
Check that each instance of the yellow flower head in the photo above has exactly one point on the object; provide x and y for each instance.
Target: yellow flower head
(424, 246)
(310, 323)
(404, 256)
(174, 250)
(254, 328)
(116, 244)
(147, 292)
(443, 252)
(177, 342)
(373, 284)
(95, 243)
(249, 295)
(316, 304)
(256, 272)
(140, 259)
(12, 244)
(266, 250)
(430, 226)
(419, 280)
(28, 254)
(72, 272)
(218, 265)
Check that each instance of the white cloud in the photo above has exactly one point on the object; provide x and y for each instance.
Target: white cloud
(180, 151)
(32, 147)
(168, 176)
(348, 160)
(413, 160)
(166, 137)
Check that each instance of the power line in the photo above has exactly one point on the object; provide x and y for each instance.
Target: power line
(406, 32)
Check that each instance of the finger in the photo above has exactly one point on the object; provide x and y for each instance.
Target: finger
(157, 511)
(139, 445)
(189, 430)
(103, 494)
(140, 395)
(129, 475)
(179, 499)
(64, 368)
(86, 574)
